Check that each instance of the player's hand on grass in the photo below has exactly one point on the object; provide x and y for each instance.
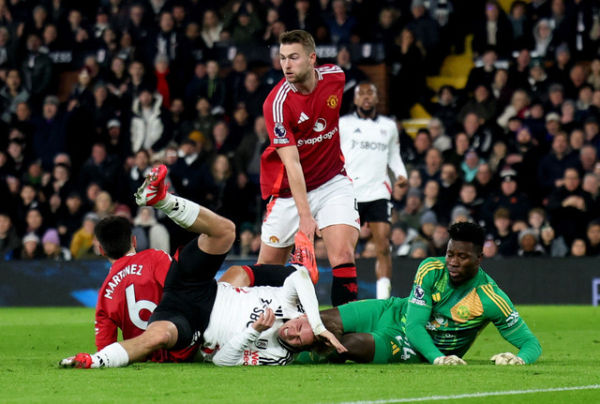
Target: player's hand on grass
(331, 340)
(451, 360)
(265, 321)
(507, 358)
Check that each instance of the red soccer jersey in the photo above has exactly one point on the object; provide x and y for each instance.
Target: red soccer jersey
(129, 295)
(309, 122)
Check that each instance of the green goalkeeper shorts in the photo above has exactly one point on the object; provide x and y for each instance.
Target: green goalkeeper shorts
(383, 320)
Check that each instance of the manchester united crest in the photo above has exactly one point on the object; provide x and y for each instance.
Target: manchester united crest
(273, 239)
(332, 101)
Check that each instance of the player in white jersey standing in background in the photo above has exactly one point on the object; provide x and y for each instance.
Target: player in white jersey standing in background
(370, 144)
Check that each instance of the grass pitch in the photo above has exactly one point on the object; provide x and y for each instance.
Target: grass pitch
(33, 340)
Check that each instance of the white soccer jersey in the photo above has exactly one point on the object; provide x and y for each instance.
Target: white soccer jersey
(230, 340)
(370, 147)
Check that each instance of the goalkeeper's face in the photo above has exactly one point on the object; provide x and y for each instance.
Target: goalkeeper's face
(462, 261)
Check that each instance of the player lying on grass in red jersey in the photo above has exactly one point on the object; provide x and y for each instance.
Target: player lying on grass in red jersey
(232, 325)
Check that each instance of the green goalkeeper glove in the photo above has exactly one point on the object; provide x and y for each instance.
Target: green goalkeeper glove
(452, 360)
(507, 358)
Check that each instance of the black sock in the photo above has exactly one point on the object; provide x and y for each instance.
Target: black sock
(344, 287)
(270, 275)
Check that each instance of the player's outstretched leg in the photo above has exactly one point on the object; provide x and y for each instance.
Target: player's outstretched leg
(304, 254)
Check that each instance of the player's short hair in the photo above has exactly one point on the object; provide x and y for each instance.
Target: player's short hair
(469, 232)
(365, 82)
(298, 36)
(114, 235)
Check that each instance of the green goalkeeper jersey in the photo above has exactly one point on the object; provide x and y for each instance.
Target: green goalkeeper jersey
(443, 319)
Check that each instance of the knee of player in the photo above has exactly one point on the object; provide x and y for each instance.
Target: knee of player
(345, 256)
(161, 336)
(383, 249)
(227, 230)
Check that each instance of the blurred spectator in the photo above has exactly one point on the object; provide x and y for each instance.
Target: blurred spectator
(553, 165)
(528, 244)
(52, 247)
(69, 217)
(591, 185)
(440, 140)
(50, 136)
(157, 234)
(253, 94)
(470, 165)
(400, 238)
(103, 205)
(82, 242)
(445, 108)
(12, 94)
(450, 184)
(195, 43)
(118, 145)
(427, 35)
(500, 89)
(148, 126)
(490, 249)
(521, 26)
(593, 238)
(31, 249)
(496, 159)
(165, 81)
(186, 172)
(36, 70)
(341, 24)
(469, 200)
(554, 246)
(9, 240)
(503, 236)
(431, 199)
(508, 197)
(100, 168)
(518, 72)
(591, 129)
(433, 163)
(578, 248)
(518, 107)
(274, 74)
(439, 239)
(456, 154)
(483, 74)
(60, 183)
(305, 18)
(223, 144)
(248, 153)
(166, 42)
(559, 71)
(482, 103)
(211, 28)
(569, 206)
(495, 31)
(203, 122)
(411, 214)
(242, 24)
(354, 76)
(542, 36)
(594, 75)
(247, 235)
(480, 136)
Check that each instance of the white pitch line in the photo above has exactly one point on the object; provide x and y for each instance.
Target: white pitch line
(475, 395)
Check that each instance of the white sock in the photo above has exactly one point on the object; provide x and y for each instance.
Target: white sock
(384, 288)
(182, 211)
(111, 356)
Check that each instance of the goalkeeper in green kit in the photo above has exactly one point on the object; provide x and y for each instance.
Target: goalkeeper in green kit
(451, 301)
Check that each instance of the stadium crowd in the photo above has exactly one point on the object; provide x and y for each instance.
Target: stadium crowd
(182, 82)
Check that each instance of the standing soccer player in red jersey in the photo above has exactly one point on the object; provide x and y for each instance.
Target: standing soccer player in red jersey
(302, 170)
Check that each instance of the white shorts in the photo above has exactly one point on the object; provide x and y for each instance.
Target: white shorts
(331, 203)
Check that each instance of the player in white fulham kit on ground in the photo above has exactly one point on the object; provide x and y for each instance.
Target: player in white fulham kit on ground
(370, 145)
(235, 325)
